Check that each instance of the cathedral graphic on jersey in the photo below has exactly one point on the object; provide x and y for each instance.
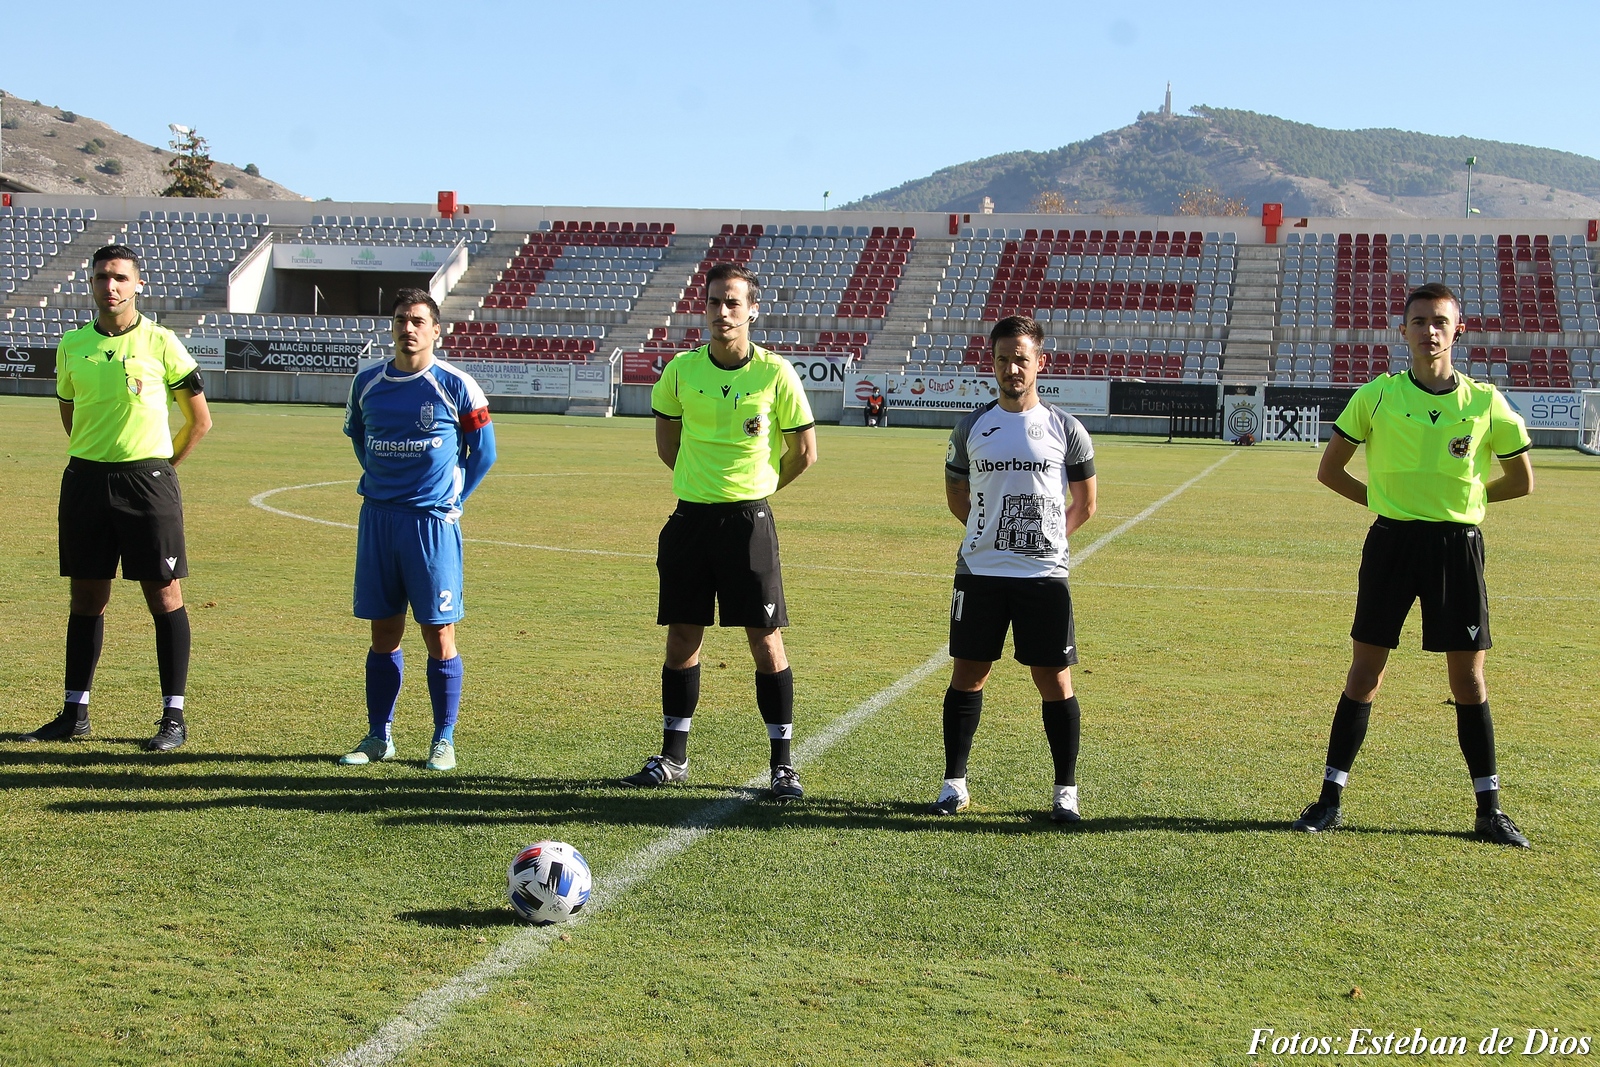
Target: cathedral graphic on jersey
(1026, 523)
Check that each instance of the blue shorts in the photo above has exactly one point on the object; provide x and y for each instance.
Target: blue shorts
(404, 557)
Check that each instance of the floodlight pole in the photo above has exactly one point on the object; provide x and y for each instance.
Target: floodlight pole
(1472, 161)
(825, 200)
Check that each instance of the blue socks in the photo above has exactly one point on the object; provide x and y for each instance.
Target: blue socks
(384, 671)
(444, 688)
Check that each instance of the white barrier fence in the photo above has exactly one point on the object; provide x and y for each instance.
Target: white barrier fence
(1293, 424)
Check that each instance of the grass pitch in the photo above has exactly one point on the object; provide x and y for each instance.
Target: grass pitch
(247, 901)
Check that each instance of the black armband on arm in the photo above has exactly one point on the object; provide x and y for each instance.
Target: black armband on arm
(191, 381)
(1081, 472)
(1346, 436)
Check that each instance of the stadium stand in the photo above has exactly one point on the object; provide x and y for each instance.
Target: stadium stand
(184, 253)
(1141, 302)
(397, 231)
(32, 242)
(584, 269)
(565, 270)
(1342, 292)
(826, 290)
(665, 339)
(523, 340)
(833, 272)
(1121, 292)
(27, 240)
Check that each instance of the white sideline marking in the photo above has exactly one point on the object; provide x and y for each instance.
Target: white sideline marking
(260, 501)
(433, 1007)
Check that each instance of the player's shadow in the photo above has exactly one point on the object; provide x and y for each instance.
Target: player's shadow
(841, 814)
(475, 800)
(77, 755)
(99, 739)
(449, 800)
(1401, 831)
(461, 918)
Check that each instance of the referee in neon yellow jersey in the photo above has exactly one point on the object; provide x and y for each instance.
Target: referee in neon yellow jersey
(733, 423)
(120, 501)
(1430, 434)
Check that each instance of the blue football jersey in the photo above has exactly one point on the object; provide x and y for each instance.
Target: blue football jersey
(414, 433)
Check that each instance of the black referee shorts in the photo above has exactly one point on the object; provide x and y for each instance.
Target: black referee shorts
(1038, 611)
(132, 512)
(1439, 563)
(722, 553)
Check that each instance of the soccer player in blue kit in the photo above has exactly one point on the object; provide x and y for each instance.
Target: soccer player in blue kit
(422, 434)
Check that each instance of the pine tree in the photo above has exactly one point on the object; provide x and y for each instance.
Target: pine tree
(189, 173)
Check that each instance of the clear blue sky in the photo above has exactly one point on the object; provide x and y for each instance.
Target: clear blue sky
(766, 105)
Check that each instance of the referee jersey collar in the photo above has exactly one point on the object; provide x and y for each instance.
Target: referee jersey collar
(749, 358)
(1455, 383)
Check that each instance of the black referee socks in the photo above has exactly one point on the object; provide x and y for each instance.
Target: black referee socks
(172, 660)
(1475, 731)
(1344, 741)
(86, 635)
(775, 700)
(680, 693)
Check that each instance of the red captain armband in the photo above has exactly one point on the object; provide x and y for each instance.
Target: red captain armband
(476, 419)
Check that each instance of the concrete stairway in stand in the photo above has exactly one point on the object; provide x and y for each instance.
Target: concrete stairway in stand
(653, 307)
(1247, 353)
(42, 288)
(483, 271)
(890, 347)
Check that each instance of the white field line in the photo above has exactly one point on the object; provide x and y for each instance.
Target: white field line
(433, 1007)
(260, 501)
(1263, 590)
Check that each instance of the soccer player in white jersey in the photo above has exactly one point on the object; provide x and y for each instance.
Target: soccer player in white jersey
(1020, 474)
(422, 434)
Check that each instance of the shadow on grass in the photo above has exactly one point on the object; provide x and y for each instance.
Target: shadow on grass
(478, 800)
(462, 918)
(45, 747)
(79, 754)
(169, 783)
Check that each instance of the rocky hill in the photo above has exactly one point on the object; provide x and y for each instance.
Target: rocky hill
(54, 150)
(1144, 167)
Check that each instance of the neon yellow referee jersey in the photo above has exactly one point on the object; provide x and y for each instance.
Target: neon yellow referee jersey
(119, 388)
(733, 423)
(1429, 455)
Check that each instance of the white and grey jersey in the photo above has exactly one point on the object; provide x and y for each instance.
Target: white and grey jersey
(1018, 465)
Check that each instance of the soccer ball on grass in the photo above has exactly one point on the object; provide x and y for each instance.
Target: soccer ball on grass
(549, 882)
